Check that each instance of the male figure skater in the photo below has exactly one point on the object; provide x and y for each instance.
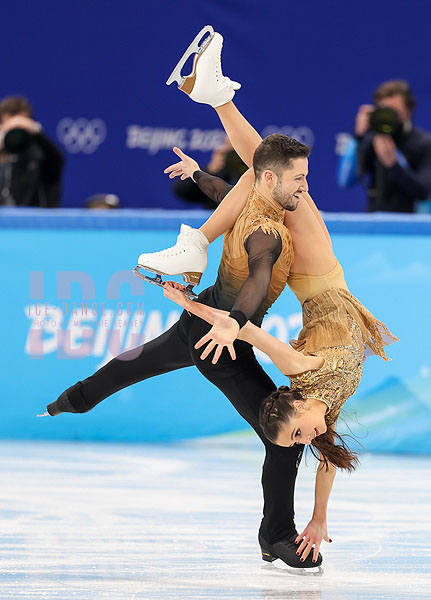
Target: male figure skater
(255, 264)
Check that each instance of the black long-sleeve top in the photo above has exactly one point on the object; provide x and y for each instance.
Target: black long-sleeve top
(263, 250)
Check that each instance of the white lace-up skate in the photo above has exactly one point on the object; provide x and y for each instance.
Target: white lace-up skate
(206, 83)
(187, 258)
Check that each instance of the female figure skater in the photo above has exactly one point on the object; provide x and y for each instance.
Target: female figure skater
(325, 365)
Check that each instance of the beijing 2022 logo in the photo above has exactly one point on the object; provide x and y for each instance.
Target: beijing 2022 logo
(81, 135)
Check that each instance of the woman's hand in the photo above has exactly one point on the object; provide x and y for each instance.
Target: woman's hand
(313, 534)
(175, 292)
(222, 334)
(183, 169)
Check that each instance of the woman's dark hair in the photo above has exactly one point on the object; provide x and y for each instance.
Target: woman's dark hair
(277, 410)
(276, 152)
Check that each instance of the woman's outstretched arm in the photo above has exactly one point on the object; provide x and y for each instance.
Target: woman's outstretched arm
(288, 360)
(317, 530)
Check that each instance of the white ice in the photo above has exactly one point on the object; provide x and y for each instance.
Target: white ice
(133, 522)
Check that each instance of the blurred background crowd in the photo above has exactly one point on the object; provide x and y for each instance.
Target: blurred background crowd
(93, 125)
(387, 154)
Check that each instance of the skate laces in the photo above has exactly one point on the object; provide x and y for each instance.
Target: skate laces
(179, 248)
(219, 73)
(220, 78)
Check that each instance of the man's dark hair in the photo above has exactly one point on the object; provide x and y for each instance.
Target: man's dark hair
(276, 152)
(394, 87)
(15, 105)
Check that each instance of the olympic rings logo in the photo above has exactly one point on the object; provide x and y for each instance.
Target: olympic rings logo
(81, 135)
(302, 133)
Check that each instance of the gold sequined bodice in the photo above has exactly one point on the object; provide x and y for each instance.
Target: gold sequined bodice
(339, 376)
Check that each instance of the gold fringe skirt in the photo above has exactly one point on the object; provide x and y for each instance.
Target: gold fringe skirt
(327, 321)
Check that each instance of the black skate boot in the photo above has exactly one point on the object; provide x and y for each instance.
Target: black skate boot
(61, 405)
(70, 401)
(286, 550)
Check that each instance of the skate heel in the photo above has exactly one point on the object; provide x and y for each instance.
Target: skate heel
(268, 557)
(189, 81)
(192, 277)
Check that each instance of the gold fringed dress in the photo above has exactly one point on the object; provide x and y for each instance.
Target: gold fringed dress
(339, 328)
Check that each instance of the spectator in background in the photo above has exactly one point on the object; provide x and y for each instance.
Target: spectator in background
(103, 202)
(225, 163)
(395, 155)
(31, 165)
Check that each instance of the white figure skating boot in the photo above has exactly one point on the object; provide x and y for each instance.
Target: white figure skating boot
(206, 83)
(187, 258)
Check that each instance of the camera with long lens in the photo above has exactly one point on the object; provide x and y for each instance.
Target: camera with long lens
(17, 141)
(385, 120)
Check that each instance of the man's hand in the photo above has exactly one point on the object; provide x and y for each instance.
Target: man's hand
(175, 292)
(183, 169)
(362, 122)
(21, 122)
(385, 149)
(223, 333)
(313, 534)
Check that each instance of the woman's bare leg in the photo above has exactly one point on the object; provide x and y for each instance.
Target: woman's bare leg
(229, 209)
(243, 136)
(245, 140)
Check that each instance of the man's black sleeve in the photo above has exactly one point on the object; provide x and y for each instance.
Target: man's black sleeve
(212, 186)
(263, 250)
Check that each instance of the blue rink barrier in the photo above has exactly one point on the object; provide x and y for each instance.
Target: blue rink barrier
(70, 303)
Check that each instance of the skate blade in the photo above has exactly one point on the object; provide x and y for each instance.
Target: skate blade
(194, 48)
(190, 277)
(45, 414)
(311, 572)
(157, 280)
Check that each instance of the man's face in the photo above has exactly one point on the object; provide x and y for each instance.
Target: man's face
(292, 182)
(397, 102)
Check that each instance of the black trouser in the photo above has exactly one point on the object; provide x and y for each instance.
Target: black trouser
(242, 381)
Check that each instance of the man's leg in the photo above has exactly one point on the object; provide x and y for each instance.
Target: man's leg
(168, 352)
(246, 384)
(246, 390)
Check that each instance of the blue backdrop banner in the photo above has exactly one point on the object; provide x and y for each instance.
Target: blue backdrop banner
(96, 72)
(70, 302)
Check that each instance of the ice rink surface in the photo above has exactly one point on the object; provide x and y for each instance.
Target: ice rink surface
(133, 522)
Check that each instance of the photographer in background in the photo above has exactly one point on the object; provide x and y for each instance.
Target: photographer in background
(391, 151)
(31, 165)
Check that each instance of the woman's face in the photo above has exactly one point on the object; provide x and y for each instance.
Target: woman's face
(308, 423)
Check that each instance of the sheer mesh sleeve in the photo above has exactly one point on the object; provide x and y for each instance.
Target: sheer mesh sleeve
(213, 187)
(263, 250)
